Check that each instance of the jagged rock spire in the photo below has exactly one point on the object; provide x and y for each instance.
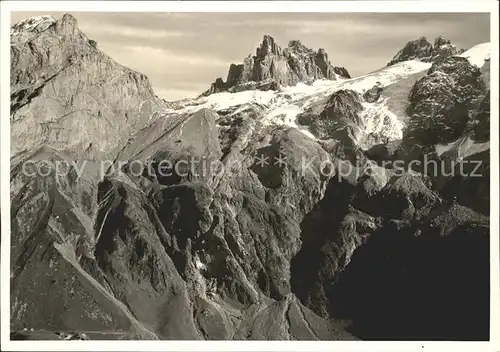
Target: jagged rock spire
(67, 24)
(421, 49)
(268, 46)
(441, 40)
(274, 66)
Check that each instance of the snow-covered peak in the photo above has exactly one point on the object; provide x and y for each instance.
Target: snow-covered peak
(282, 107)
(32, 24)
(385, 118)
(303, 93)
(478, 54)
(385, 76)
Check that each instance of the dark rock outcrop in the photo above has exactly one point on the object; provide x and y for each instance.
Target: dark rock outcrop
(339, 122)
(273, 66)
(441, 101)
(405, 274)
(373, 94)
(449, 110)
(421, 49)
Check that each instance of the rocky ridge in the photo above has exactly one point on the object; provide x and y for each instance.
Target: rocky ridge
(68, 94)
(267, 251)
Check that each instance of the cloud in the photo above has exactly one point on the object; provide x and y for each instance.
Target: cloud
(168, 71)
(129, 32)
(168, 58)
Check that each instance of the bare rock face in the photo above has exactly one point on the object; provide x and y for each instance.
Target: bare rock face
(444, 48)
(421, 49)
(273, 66)
(373, 94)
(441, 101)
(450, 107)
(67, 94)
(481, 120)
(341, 110)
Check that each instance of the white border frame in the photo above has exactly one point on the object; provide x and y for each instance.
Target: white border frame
(245, 6)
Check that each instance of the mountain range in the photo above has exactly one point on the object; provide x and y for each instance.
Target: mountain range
(305, 230)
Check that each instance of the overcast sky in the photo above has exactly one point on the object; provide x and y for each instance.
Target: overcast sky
(182, 53)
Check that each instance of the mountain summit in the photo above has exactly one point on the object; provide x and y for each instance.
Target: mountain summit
(421, 49)
(68, 94)
(273, 66)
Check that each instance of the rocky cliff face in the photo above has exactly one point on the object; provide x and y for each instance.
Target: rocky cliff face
(286, 224)
(442, 100)
(422, 49)
(67, 94)
(273, 66)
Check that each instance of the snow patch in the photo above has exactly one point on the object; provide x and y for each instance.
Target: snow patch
(478, 54)
(283, 115)
(385, 76)
(199, 265)
(287, 116)
(379, 120)
(443, 148)
(284, 106)
(462, 148)
(221, 101)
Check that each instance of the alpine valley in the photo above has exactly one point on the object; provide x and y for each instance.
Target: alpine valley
(265, 250)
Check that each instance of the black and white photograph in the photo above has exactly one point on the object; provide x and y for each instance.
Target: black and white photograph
(249, 175)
